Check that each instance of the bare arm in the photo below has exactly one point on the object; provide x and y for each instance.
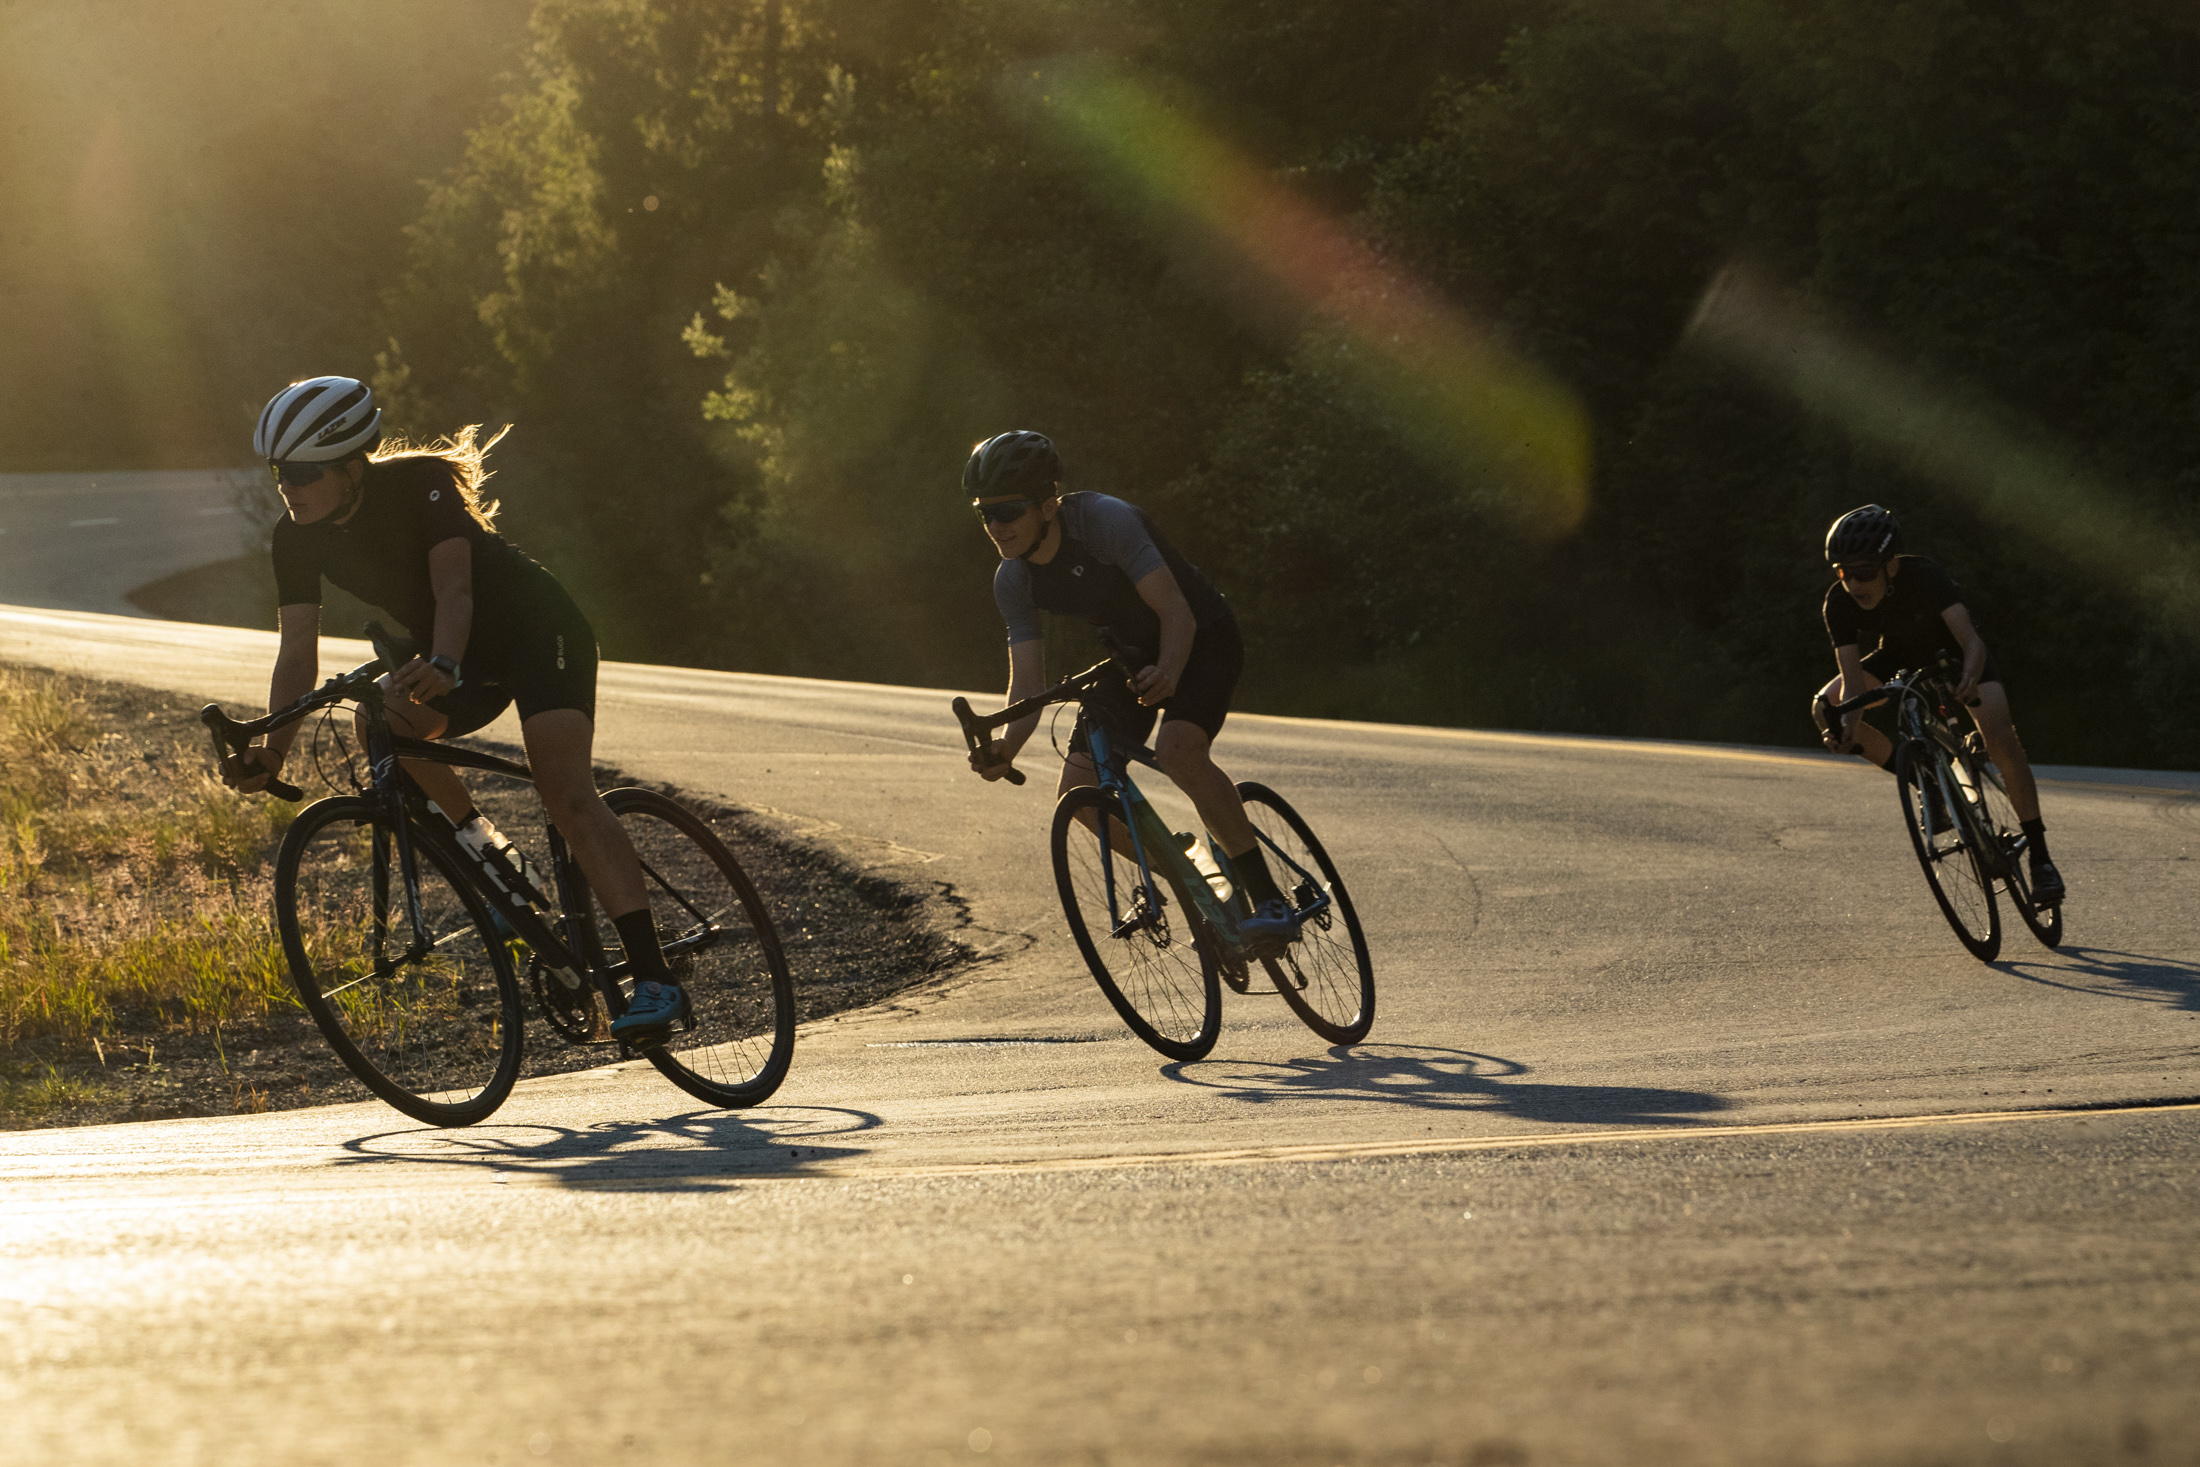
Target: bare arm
(1958, 618)
(1027, 666)
(1853, 680)
(1160, 591)
(451, 577)
(297, 664)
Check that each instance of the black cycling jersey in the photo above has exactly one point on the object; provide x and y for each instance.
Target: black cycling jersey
(409, 506)
(1906, 625)
(1107, 548)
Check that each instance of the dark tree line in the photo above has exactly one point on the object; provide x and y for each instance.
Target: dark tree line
(752, 275)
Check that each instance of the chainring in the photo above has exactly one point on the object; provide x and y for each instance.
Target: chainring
(572, 1013)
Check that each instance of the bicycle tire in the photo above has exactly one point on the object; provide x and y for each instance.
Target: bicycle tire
(1163, 981)
(1329, 984)
(2001, 816)
(1952, 866)
(441, 1038)
(722, 947)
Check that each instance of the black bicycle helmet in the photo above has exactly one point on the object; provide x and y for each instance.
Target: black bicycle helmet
(1016, 462)
(319, 420)
(1870, 533)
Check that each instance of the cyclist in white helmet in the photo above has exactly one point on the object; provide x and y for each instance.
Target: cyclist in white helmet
(406, 530)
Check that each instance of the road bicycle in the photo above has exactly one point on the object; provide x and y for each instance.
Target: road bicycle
(1962, 825)
(405, 945)
(1155, 913)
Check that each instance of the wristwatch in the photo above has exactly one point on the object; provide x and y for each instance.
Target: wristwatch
(448, 666)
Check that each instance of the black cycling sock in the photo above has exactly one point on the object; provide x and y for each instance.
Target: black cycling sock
(1251, 871)
(2035, 833)
(638, 935)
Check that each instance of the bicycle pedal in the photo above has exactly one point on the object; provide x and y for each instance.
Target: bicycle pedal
(687, 1021)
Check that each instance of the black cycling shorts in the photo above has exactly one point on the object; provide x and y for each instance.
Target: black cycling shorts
(548, 663)
(1202, 695)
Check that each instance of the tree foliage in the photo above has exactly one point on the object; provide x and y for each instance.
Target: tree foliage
(753, 276)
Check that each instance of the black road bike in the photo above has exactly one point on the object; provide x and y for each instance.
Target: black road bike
(1155, 913)
(406, 947)
(1962, 825)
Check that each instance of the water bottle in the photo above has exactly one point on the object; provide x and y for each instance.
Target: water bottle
(1195, 848)
(507, 866)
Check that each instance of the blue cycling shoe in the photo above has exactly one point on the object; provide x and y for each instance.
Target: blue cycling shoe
(651, 1013)
(1271, 928)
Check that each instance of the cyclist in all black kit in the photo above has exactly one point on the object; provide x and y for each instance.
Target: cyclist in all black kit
(405, 530)
(1101, 560)
(1913, 611)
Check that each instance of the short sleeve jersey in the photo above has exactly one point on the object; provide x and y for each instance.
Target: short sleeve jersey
(1107, 547)
(1907, 620)
(380, 555)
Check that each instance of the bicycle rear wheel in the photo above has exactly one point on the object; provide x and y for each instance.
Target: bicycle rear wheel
(1326, 976)
(2001, 816)
(435, 1029)
(1953, 869)
(721, 946)
(1149, 961)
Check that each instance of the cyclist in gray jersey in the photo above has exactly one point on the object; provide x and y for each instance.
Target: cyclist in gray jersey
(1101, 560)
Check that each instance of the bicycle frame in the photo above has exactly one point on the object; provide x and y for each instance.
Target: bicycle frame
(1923, 717)
(1111, 770)
(553, 939)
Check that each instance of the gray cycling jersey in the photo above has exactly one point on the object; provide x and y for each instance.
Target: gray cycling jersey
(1107, 547)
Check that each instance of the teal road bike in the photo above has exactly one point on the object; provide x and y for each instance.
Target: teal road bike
(1154, 913)
(1962, 825)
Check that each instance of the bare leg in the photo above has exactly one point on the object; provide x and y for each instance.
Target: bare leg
(560, 749)
(1182, 749)
(440, 781)
(2000, 731)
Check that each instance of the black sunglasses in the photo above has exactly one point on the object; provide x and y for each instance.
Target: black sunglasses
(1003, 512)
(296, 476)
(1865, 573)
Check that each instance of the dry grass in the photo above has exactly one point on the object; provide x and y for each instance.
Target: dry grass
(133, 888)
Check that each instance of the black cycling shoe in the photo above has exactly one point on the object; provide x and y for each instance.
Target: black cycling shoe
(2047, 884)
(651, 1013)
(1271, 928)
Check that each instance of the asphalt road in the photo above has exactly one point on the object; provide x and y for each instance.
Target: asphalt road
(1686, 1133)
(85, 541)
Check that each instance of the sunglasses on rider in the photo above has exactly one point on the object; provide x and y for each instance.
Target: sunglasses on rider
(1005, 511)
(1864, 574)
(296, 476)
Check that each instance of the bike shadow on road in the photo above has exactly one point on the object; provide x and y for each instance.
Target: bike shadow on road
(1425, 1077)
(2136, 977)
(702, 1151)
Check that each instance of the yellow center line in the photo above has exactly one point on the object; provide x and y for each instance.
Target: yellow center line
(1355, 1150)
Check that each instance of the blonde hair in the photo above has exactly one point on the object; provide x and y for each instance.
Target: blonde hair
(463, 454)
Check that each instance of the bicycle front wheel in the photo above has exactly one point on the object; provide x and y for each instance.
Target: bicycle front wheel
(430, 1021)
(2016, 882)
(722, 948)
(1326, 976)
(1149, 960)
(1953, 867)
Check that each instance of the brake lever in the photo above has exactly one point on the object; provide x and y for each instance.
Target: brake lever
(220, 728)
(385, 646)
(974, 736)
(1122, 654)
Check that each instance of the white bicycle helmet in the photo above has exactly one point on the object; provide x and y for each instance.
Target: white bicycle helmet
(318, 420)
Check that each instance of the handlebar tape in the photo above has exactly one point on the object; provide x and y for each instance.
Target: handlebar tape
(973, 734)
(229, 743)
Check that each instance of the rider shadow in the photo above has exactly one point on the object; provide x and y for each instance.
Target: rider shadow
(2137, 977)
(1423, 1077)
(704, 1151)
